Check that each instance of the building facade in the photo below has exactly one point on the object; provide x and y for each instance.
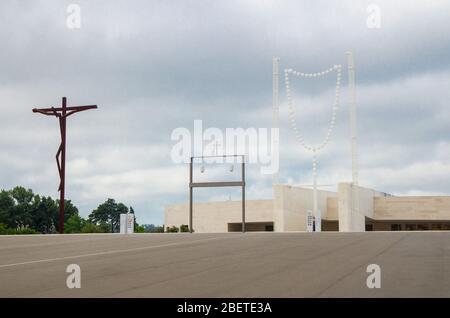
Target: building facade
(350, 209)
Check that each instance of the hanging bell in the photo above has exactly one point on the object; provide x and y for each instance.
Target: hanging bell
(202, 169)
(231, 168)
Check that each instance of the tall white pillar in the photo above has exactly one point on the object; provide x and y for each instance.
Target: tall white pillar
(354, 203)
(353, 123)
(275, 107)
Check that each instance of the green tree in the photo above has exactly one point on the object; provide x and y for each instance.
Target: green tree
(139, 229)
(158, 229)
(172, 229)
(74, 224)
(108, 212)
(89, 227)
(43, 214)
(69, 210)
(152, 228)
(24, 211)
(184, 228)
(24, 200)
(6, 207)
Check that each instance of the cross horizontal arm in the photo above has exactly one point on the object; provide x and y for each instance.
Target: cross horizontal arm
(80, 109)
(46, 111)
(58, 109)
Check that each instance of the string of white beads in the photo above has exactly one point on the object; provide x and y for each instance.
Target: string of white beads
(316, 74)
(332, 123)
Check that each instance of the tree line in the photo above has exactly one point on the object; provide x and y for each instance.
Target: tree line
(23, 212)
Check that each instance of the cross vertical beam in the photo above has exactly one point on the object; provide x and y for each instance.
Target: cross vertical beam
(62, 169)
(62, 113)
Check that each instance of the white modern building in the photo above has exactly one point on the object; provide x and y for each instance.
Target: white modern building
(351, 209)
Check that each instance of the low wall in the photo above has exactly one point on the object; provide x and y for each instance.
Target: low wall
(213, 217)
(412, 208)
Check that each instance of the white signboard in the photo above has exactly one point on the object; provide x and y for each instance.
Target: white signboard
(130, 223)
(309, 221)
(127, 223)
(318, 222)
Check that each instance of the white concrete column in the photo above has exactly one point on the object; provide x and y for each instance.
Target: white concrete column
(351, 220)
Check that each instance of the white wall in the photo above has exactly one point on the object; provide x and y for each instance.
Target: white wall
(213, 217)
(427, 208)
(292, 203)
(355, 203)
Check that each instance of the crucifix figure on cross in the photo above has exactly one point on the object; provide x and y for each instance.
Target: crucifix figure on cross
(62, 113)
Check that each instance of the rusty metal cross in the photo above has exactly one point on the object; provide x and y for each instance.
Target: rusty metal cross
(62, 113)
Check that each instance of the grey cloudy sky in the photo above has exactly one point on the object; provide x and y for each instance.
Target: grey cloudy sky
(152, 66)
